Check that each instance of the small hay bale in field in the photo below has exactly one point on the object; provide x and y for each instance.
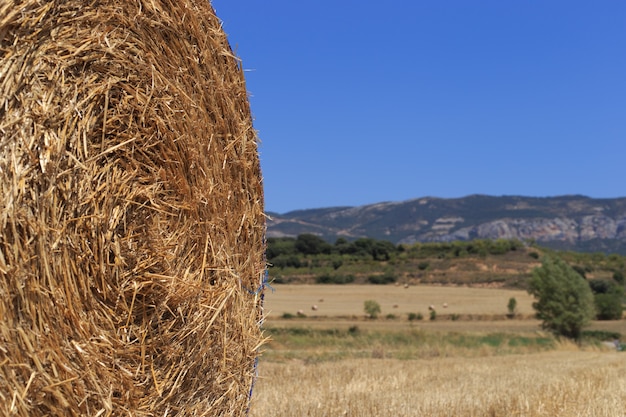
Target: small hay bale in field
(131, 212)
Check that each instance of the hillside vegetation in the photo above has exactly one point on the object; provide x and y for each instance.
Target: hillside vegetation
(308, 259)
(501, 263)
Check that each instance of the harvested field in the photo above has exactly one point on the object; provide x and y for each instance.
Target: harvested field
(564, 383)
(347, 300)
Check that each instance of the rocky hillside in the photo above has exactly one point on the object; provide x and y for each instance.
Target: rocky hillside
(567, 222)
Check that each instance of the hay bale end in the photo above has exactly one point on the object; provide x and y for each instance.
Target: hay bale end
(131, 212)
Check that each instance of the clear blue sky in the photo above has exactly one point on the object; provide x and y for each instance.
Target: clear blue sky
(360, 101)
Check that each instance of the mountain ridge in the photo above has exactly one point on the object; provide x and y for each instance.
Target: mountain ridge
(573, 222)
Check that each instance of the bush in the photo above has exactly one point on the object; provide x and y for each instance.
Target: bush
(386, 278)
(415, 316)
(607, 296)
(423, 265)
(284, 261)
(608, 306)
(334, 279)
(372, 308)
(433, 315)
(512, 306)
(309, 244)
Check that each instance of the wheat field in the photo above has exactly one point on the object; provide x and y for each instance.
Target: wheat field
(347, 300)
(327, 374)
(565, 383)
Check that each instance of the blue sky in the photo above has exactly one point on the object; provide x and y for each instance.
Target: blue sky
(360, 101)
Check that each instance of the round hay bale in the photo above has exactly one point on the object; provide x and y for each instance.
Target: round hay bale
(131, 212)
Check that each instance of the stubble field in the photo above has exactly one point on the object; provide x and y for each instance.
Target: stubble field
(347, 300)
(335, 362)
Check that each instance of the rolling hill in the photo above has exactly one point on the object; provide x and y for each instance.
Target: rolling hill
(571, 222)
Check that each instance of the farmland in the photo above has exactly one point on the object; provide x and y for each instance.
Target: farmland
(470, 361)
(566, 382)
(347, 300)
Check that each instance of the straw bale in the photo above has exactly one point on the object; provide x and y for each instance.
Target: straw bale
(131, 212)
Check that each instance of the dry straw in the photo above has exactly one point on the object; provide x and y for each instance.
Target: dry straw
(131, 212)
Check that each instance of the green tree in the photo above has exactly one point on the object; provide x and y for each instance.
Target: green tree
(607, 296)
(512, 306)
(277, 246)
(564, 300)
(372, 308)
(309, 244)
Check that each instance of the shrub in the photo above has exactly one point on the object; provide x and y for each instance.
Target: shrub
(284, 261)
(607, 297)
(386, 278)
(608, 306)
(372, 308)
(415, 316)
(423, 265)
(310, 244)
(512, 306)
(580, 270)
(433, 315)
(334, 279)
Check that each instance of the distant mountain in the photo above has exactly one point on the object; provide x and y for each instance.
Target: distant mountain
(572, 222)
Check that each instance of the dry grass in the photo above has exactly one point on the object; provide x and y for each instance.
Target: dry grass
(564, 383)
(341, 364)
(347, 300)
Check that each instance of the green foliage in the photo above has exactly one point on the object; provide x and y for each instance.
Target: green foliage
(459, 249)
(354, 329)
(533, 255)
(309, 244)
(386, 278)
(337, 262)
(369, 260)
(601, 335)
(334, 279)
(580, 270)
(433, 315)
(415, 316)
(607, 297)
(372, 308)
(285, 261)
(608, 306)
(564, 299)
(512, 306)
(378, 250)
(280, 246)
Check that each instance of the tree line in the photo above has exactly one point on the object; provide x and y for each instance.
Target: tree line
(292, 252)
